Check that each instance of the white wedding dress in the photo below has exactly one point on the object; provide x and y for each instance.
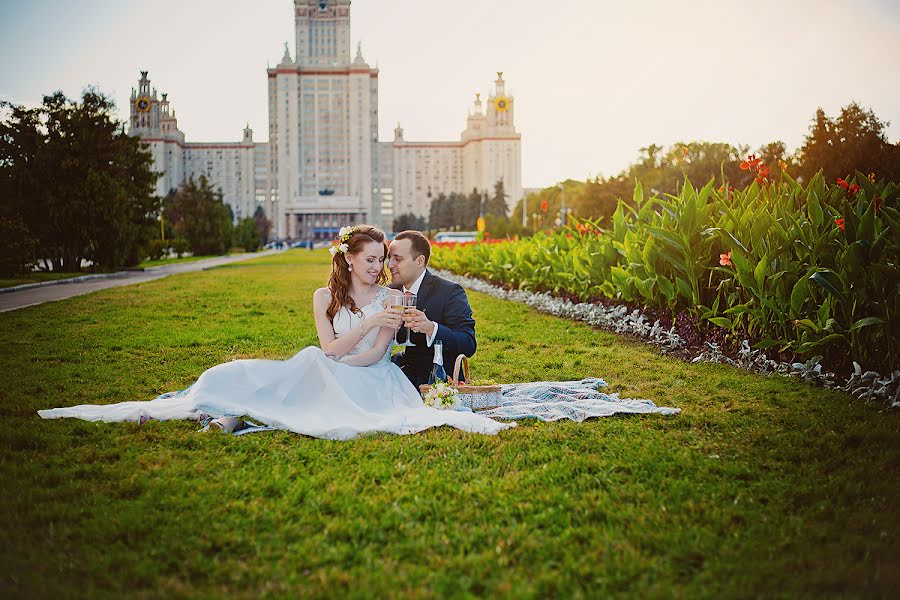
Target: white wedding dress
(308, 394)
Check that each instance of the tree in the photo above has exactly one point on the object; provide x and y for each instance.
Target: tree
(198, 214)
(855, 141)
(409, 221)
(246, 235)
(496, 204)
(17, 252)
(83, 188)
(263, 224)
(437, 213)
(600, 197)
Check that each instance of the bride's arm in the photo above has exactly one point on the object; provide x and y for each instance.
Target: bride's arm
(373, 354)
(330, 343)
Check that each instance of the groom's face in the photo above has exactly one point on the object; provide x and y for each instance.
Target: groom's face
(404, 268)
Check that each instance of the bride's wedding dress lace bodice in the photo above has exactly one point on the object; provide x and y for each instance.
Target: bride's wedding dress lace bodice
(345, 321)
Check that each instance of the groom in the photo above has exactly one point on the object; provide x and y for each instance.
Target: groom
(442, 309)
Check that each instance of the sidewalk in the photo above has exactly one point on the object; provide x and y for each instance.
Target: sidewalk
(31, 294)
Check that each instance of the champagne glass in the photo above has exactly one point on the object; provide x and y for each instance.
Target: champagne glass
(397, 303)
(408, 301)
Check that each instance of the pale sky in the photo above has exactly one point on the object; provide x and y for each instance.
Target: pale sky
(593, 81)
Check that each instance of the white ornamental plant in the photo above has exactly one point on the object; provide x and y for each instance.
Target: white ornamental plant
(442, 396)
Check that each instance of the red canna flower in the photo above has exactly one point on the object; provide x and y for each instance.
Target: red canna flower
(843, 184)
(854, 189)
(750, 163)
(839, 223)
(544, 206)
(725, 259)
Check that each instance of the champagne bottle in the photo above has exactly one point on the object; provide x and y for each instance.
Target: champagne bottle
(437, 369)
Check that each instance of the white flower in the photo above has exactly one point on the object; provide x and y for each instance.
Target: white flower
(441, 396)
(343, 248)
(345, 231)
(333, 250)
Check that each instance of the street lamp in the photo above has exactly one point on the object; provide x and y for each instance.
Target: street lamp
(524, 211)
(562, 210)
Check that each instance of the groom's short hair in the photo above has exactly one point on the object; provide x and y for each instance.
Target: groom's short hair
(420, 244)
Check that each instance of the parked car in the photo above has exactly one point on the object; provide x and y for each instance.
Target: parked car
(456, 236)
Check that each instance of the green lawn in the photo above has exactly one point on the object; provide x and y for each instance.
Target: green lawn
(36, 277)
(762, 486)
(172, 261)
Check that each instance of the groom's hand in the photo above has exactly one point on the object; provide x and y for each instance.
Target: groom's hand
(418, 322)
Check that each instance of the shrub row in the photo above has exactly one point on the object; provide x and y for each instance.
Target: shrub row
(801, 269)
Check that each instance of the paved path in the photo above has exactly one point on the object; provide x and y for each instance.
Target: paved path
(66, 288)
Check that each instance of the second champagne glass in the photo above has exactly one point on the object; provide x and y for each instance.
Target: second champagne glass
(408, 301)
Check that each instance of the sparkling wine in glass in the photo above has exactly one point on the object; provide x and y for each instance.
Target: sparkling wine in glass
(408, 301)
(396, 304)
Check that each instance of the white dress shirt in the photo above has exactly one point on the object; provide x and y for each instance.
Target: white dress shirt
(414, 289)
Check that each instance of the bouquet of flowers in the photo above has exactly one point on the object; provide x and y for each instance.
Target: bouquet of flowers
(442, 396)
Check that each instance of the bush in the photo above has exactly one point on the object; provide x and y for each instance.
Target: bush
(179, 247)
(17, 249)
(806, 270)
(156, 249)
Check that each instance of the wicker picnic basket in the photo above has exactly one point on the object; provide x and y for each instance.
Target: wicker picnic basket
(476, 397)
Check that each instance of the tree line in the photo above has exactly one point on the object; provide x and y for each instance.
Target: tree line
(75, 187)
(853, 141)
(457, 211)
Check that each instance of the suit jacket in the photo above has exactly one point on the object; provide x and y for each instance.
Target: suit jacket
(445, 303)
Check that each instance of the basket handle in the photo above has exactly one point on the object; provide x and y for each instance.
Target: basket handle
(463, 363)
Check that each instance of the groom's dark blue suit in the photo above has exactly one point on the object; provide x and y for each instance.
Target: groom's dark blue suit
(446, 304)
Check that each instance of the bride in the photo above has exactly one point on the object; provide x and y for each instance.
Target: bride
(345, 388)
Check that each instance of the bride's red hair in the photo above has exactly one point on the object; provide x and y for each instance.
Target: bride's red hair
(339, 282)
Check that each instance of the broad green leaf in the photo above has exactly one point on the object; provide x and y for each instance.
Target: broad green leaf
(721, 322)
(767, 343)
(759, 273)
(865, 322)
(684, 288)
(666, 287)
(729, 237)
(814, 209)
(799, 295)
(824, 278)
(738, 309)
(866, 229)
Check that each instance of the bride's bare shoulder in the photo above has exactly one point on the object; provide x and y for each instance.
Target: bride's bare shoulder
(322, 295)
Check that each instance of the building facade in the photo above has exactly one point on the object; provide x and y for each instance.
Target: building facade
(323, 166)
(489, 149)
(229, 166)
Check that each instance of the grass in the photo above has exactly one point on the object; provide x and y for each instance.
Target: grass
(171, 261)
(36, 277)
(762, 486)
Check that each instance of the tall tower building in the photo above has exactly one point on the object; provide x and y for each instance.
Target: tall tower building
(323, 166)
(323, 127)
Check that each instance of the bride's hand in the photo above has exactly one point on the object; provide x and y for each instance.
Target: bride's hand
(390, 317)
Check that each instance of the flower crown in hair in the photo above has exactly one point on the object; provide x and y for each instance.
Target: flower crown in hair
(343, 237)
